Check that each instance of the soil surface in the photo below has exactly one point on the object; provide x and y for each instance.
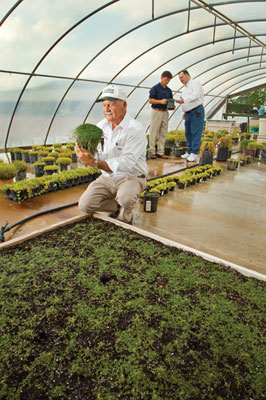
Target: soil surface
(94, 311)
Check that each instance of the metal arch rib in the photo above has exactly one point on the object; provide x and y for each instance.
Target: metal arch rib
(146, 51)
(45, 55)
(262, 86)
(217, 76)
(97, 55)
(197, 62)
(256, 55)
(10, 12)
(192, 49)
(218, 95)
(171, 59)
(118, 38)
(263, 73)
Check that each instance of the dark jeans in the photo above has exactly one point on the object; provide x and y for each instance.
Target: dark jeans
(193, 129)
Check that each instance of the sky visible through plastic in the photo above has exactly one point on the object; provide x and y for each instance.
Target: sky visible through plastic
(56, 56)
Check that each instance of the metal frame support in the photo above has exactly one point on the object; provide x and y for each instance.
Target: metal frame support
(214, 30)
(188, 15)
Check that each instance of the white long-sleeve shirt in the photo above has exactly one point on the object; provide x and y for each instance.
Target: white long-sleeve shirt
(192, 94)
(124, 148)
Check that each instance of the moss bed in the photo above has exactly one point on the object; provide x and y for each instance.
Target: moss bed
(94, 311)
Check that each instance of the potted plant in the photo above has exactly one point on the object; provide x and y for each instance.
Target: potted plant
(54, 154)
(171, 186)
(74, 156)
(63, 162)
(70, 146)
(50, 169)
(163, 188)
(232, 164)
(33, 156)
(48, 160)
(7, 171)
(258, 148)
(224, 148)
(169, 144)
(21, 168)
(12, 154)
(57, 146)
(181, 183)
(88, 136)
(248, 159)
(150, 201)
(242, 161)
(17, 154)
(38, 168)
(207, 150)
(25, 156)
(235, 137)
(251, 149)
(43, 153)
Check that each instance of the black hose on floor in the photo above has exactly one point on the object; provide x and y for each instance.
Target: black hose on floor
(5, 228)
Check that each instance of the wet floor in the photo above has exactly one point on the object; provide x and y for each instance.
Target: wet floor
(224, 216)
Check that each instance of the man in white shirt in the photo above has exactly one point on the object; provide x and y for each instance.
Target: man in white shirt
(193, 114)
(122, 160)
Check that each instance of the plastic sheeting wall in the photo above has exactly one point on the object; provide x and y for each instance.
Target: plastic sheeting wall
(57, 56)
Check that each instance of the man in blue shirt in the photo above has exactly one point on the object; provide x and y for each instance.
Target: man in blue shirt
(159, 95)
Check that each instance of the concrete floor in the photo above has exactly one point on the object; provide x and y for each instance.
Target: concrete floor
(224, 216)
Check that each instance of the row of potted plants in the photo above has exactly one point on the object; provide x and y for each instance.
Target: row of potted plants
(161, 186)
(22, 190)
(37, 152)
(233, 163)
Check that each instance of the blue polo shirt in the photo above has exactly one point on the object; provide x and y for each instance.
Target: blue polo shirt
(158, 92)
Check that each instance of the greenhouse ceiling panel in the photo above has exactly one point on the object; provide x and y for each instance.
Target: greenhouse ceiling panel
(56, 57)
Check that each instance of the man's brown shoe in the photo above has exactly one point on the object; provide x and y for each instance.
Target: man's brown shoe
(162, 156)
(153, 156)
(116, 213)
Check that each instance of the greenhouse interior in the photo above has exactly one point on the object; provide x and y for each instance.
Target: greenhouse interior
(168, 303)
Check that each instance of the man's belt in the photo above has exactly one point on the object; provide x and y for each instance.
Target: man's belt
(159, 109)
(193, 109)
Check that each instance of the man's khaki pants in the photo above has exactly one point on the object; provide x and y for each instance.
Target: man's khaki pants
(158, 128)
(104, 194)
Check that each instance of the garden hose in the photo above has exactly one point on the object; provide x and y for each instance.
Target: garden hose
(5, 228)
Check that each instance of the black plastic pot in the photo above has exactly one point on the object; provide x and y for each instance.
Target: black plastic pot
(74, 158)
(167, 151)
(26, 157)
(21, 176)
(207, 158)
(18, 156)
(63, 167)
(223, 154)
(38, 170)
(232, 165)
(179, 151)
(33, 158)
(150, 202)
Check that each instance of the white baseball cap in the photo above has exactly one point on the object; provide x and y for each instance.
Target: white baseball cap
(112, 93)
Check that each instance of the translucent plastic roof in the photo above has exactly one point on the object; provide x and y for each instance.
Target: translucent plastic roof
(56, 56)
